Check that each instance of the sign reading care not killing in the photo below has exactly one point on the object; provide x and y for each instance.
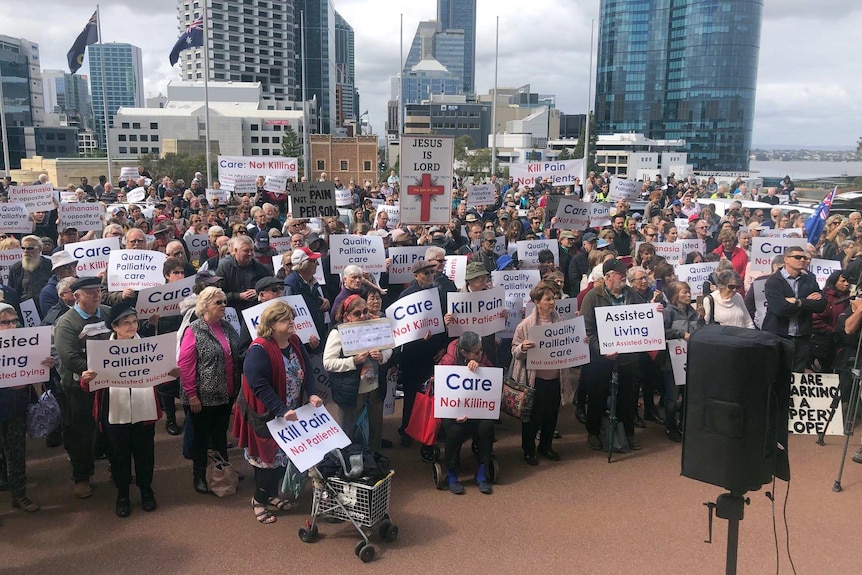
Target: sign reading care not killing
(630, 328)
(416, 315)
(164, 301)
(24, 350)
(459, 392)
(132, 363)
(303, 323)
(308, 439)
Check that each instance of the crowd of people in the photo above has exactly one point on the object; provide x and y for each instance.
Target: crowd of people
(229, 382)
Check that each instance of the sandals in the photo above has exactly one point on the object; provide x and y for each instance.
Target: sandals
(262, 514)
(281, 504)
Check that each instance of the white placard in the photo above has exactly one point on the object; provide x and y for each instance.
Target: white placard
(528, 252)
(822, 269)
(561, 173)
(232, 317)
(480, 312)
(197, 243)
(128, 172)
(307, 440)
(694, 275)
(275, 184)
(359, 336)
(136, 195)
(678, 351)
(692, 245)
(811, 396)
(759, 287)
(8, 258)
(426, 179)
(500, 246)
(313, 200)
(24, 350)
(254, 166)
(366, 252)
(281, 245)
(38, 198)
(623, 189)
(600, 215)
(630, 328)
(30, 313)
(681, 223)
(671, 251)
(517, 283)
(515, 308)
(566, 307)
(132, 363)
(764, 249)
(459, 392)
(135, 269)
(222, 195)
(415, 315)
(391, 387)
(559, 345)
(456, 270)
(15, 219)
(573, 215)
(303, 323)
(93, 255)
(164, 301)
(343, 197)
(481, 195)
(401, 260)
(83, 217)
(394, 213)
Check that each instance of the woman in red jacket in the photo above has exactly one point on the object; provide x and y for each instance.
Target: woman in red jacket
(731, 251)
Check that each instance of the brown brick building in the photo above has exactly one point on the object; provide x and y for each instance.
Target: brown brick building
(345, 158)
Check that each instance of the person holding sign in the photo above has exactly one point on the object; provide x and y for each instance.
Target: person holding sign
(276, 373)
(14, 402)
(467, 351)
(128, 418)
(354, 380)
(547, 383)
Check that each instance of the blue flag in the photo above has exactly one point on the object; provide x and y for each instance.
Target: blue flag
(192, 38)
(817, 221)
(90, 35)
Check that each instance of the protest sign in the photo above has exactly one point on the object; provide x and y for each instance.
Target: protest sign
(811, 397)
(623, 189)
(691, 245)
(401, 262)
(671, 251)
(222, 195)
(30, 313)
(459, 392)
(759, 288)
(822, 269)
(426, 179)
(253, 166)
(308, 439)
(479, 312)
(456, 270)
(135, 269)
(630, 328)
(319, 376)
(415, 315)
(83, 217)
(8, 258)
(38, 198)
(359, 336)
(515, 309)
(559, 345)
(566, 307)
(281, 244)
(313, 200)
(480, 195)
(303, 323)
(276, 184)
(128, 172)
(343, 198)
(394, 213)
(391, 387)
(24, 350)
(132, 363)
(197, 243)
(232, 317)
(517, 283)
(695, 275)
(500, 246)
(764, 249)
(552, 204)
(15, 219)
(364, 251)
(93, 255)
(678, 351)
(561, 173)
(573, 215)
(600, 215)
(136, 195)
(681, 223)
(528, 252)
(164, 301)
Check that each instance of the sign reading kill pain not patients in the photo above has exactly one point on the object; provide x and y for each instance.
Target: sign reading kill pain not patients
(308, 439)
(426, 179)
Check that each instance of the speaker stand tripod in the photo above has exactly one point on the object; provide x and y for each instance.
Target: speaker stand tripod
(849, 423)
(730, 506)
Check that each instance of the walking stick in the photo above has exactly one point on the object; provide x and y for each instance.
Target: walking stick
(612, 412)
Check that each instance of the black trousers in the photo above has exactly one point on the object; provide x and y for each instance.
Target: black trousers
(801, 350)
(267, 483)
(598, 373)
(458, 433)
(543, 419)
(168, 393)
(79, 427)
(127, 441)
(210, 429)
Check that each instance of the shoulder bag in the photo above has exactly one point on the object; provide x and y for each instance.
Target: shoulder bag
(518, 396)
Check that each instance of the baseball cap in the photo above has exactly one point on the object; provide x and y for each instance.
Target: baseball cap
(261, 241)
(590, 237)
(504, 261)
(299, 255)
(614, 265)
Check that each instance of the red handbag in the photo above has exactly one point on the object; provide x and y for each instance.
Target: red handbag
(423, 427)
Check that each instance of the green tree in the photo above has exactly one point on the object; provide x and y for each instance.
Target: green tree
(579, 149)
(564, 155)
(177, 166)
(291, 147)
(462, 144)
(479, 162)
(859, 148)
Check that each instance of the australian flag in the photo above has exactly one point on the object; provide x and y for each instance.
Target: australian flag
(192, 38)
(817, 221)
(90, 35)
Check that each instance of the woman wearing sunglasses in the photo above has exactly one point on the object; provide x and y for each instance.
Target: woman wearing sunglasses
(725, 305)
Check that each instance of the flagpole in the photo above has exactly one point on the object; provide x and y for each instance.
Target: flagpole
(586, 167)
(494, 102)
(104, 94)
(306, 165)
(207, 94)
(401, 83)
(5, 136)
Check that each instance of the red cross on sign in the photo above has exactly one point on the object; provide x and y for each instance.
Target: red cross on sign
(426, 191)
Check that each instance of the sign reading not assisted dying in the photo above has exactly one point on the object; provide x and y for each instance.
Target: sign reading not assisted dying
(459, 392)
(132, 363)
(559, 345)
(135, 269)
(630, 328)
(24, 350)
(308, 439)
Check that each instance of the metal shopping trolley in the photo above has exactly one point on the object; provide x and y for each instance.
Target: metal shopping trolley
(362, 504)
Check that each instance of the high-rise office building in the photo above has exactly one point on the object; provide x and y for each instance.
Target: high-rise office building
(22, 82)
(68, 95)
(123, 83)
(320, 68)
(681, 69)
(461, 15)
(347, 108)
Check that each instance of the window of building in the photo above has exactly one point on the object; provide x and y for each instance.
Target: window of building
(121, 138)
(143, 137)
(154, 150)
(255, 140)
(265, 140)
(133, 137)
(154, 126)
(154, 138)
(124, 150)
(321, 165)
(136, 125)
(145, 150)
(344, 165)
(125, 125)
(276, 139)
(265, 152)
(255, 152)
(366, 166)
(254, 127)
(133, 150)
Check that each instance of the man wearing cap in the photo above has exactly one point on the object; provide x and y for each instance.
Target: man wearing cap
(64, 266)
(269, 288)
(598, 372)
(68, 235)
(31, 274)
(263, 252)
(485, 254)
(240, 272)
(301, 282)
(477, 279)
(85, 320)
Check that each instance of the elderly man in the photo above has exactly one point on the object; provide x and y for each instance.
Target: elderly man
(301, 282)
(135, 240)
(485, 254)
(269, 288)
(64, 266)
(240, 272)
(214, 233)
(32, 273)
(175, 249)
(437, 256)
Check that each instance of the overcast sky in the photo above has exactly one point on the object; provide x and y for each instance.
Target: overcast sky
(808, 90)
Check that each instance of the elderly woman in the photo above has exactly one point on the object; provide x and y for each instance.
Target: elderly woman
(354, 380)
(729, 250)
(467, 351)
(209, 378)
(13, 426)
(276, 373)
(725, 305)
(127, 417)
(547, 383)
(353, 284)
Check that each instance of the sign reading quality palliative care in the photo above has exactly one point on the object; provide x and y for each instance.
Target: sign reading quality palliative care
(528, 252)
(480, 312)
(308, 439)
(623, 189)
(366, 252)
(480, 195)
(135, 269)
(24, 350)
(132, 363)
(459, 392)
(415, 315)
(426, 179)
(559, 345)
(15, 219)
(630, 328)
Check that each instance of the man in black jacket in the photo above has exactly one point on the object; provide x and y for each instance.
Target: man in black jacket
(31, 274)
(240, 272)
(792, 296)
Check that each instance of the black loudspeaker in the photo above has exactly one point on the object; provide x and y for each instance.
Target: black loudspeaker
(737, 399)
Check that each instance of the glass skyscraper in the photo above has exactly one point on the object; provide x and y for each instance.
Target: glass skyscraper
(681, 69)
(123, 84)
(461, 15)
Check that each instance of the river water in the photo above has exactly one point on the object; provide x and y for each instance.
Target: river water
(804, 170)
